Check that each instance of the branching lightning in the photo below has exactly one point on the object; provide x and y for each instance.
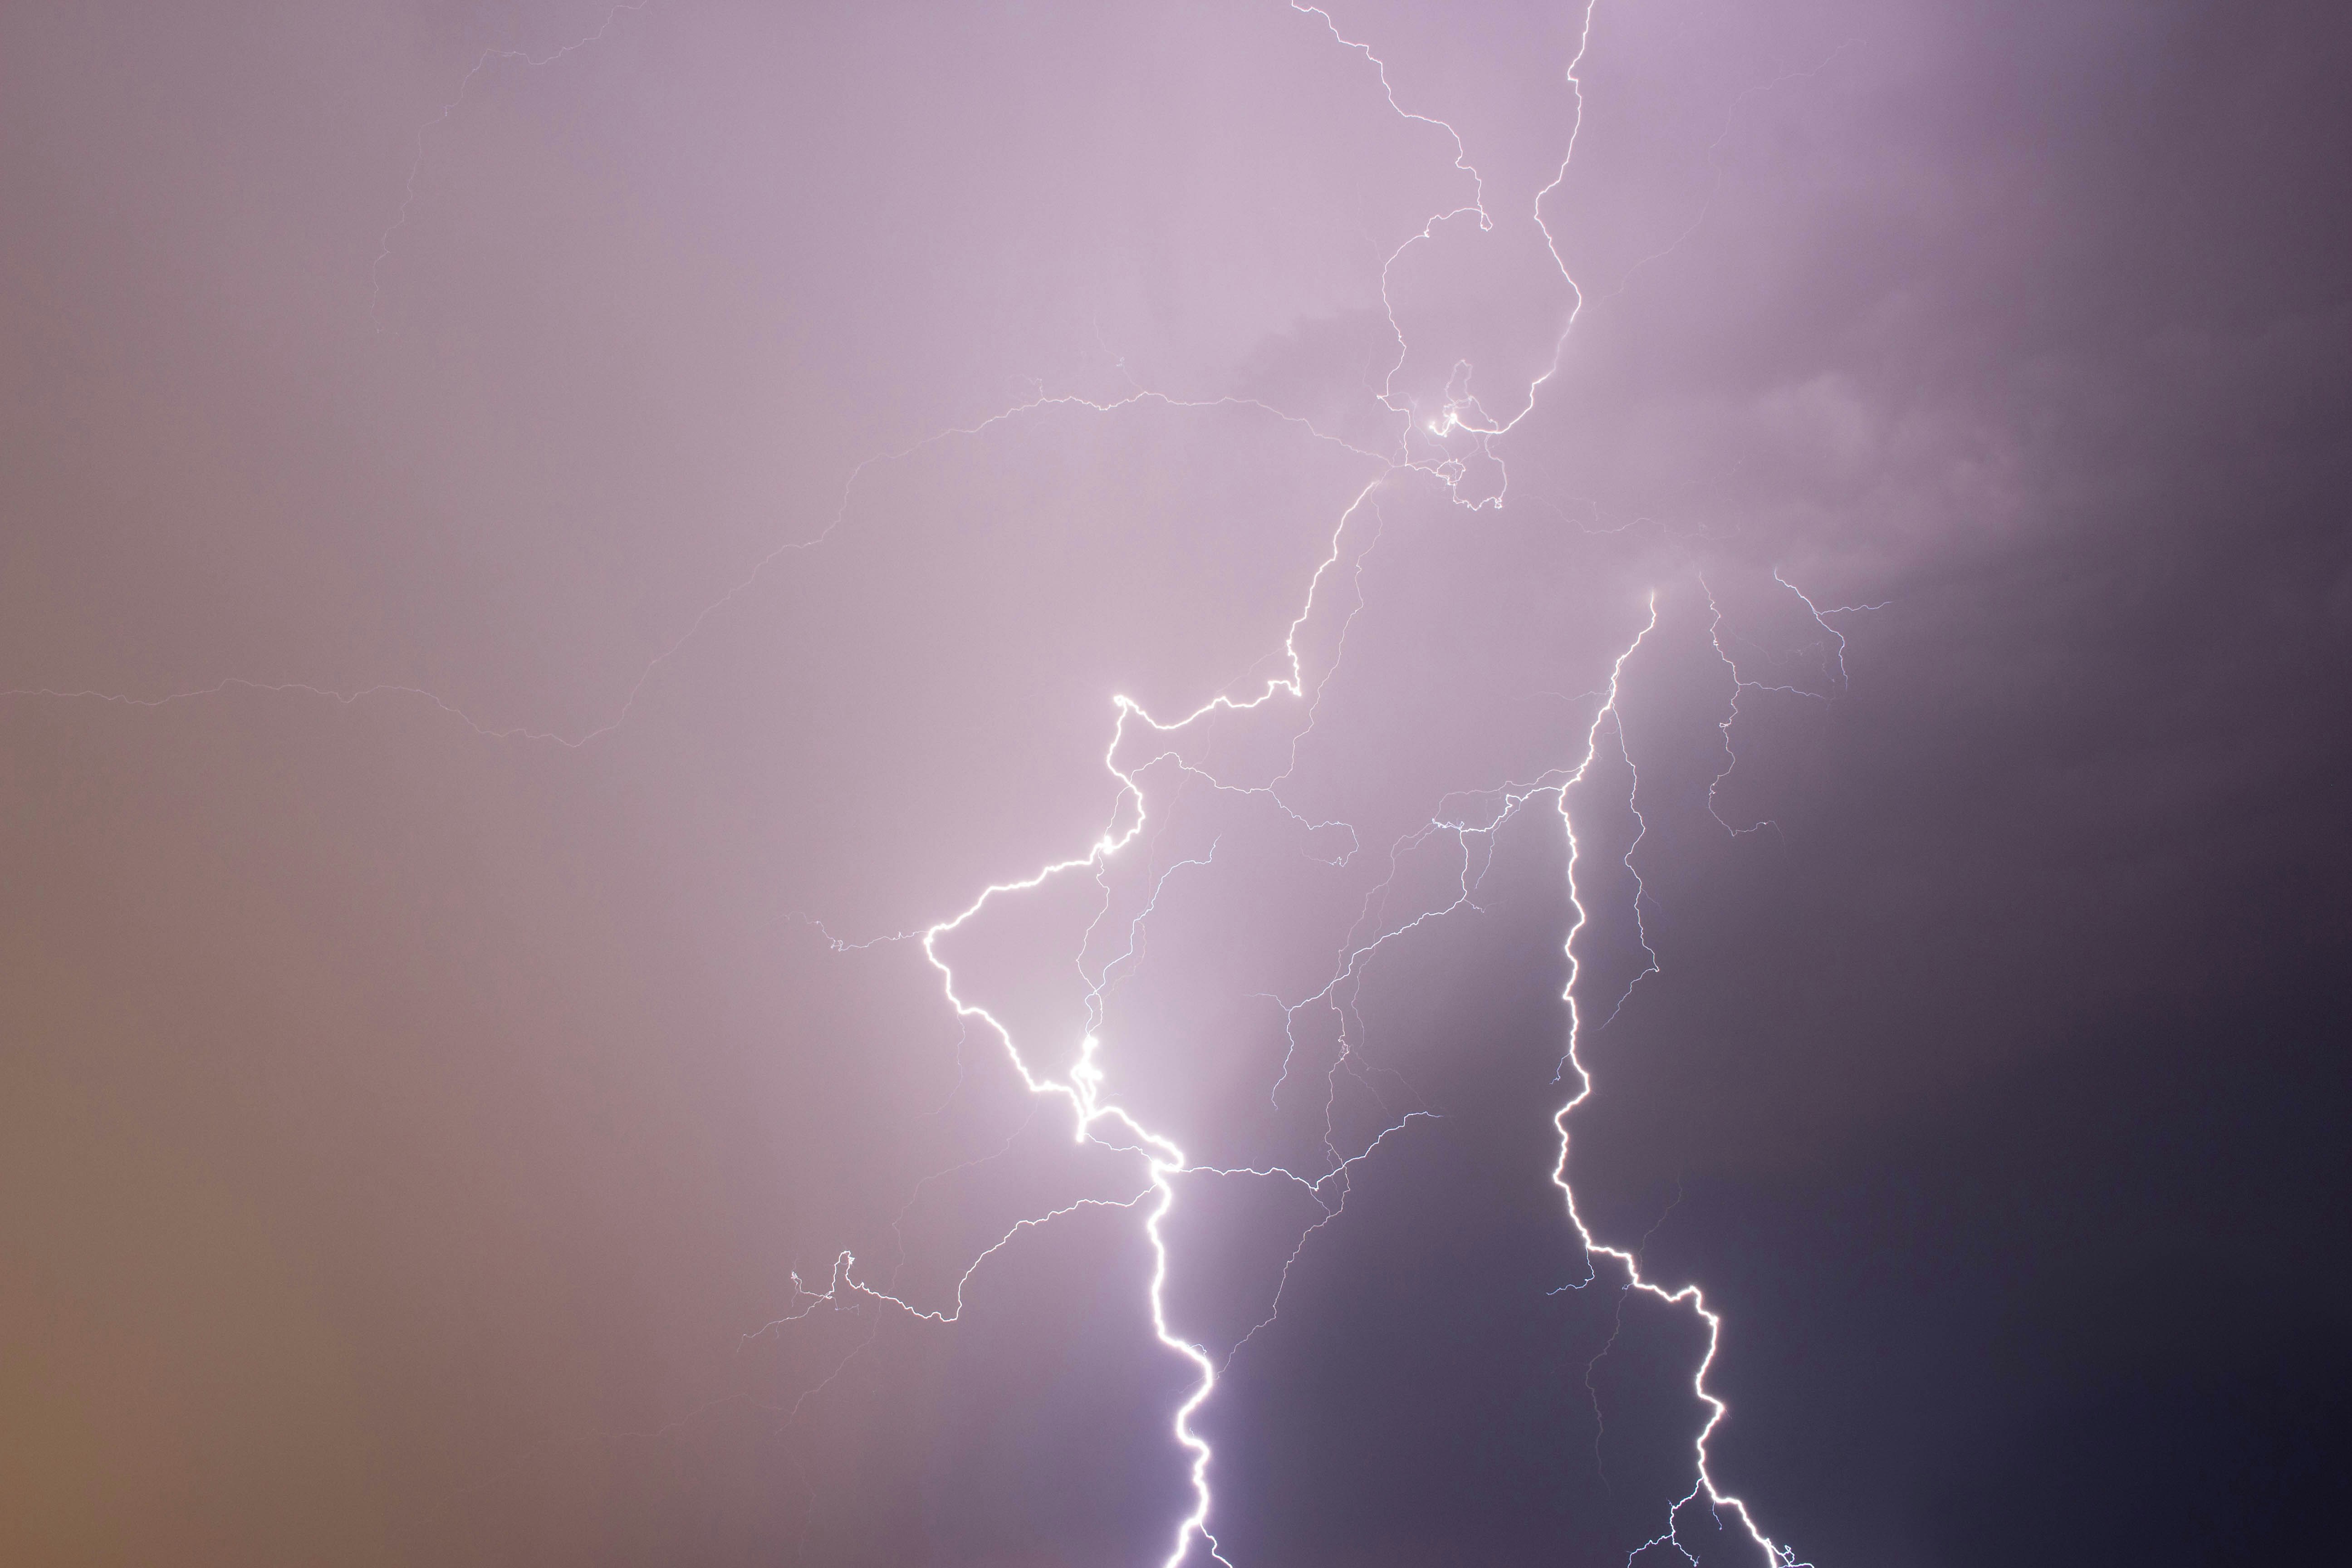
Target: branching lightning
(1083, 1089)
(1629, 1259)
(1833, 683)
(1461, 411)
(1141, 744)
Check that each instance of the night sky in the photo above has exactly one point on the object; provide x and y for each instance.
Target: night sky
(546, 547)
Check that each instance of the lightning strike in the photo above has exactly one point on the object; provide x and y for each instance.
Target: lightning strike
(1085, 1090)
(1629, 1259)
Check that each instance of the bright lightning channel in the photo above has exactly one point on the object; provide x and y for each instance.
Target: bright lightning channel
(1630, 1258)
(1083, 1089)
(1094, 1119)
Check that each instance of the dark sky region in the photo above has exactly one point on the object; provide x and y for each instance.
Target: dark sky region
(540, 542)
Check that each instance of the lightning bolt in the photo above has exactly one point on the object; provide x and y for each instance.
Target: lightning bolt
(1082, 1090)
(1605, 724)
(1630, 1258)
(1095, 1119)
(1461, 412)
(1429, 445)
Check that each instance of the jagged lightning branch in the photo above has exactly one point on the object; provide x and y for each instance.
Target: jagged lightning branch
(1095, 1119)
(1450, 418)
(1630, 1258)
(1832, 670)
(1460, 410)
(1039, 399)
(1605, 718)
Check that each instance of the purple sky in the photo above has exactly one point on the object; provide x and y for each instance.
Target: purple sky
(544, 546)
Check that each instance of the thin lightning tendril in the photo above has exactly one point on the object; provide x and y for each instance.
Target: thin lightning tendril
(1833, 672)
(487, 57)
(840, 519)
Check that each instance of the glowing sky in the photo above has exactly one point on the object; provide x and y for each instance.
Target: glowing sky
(838, 785)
